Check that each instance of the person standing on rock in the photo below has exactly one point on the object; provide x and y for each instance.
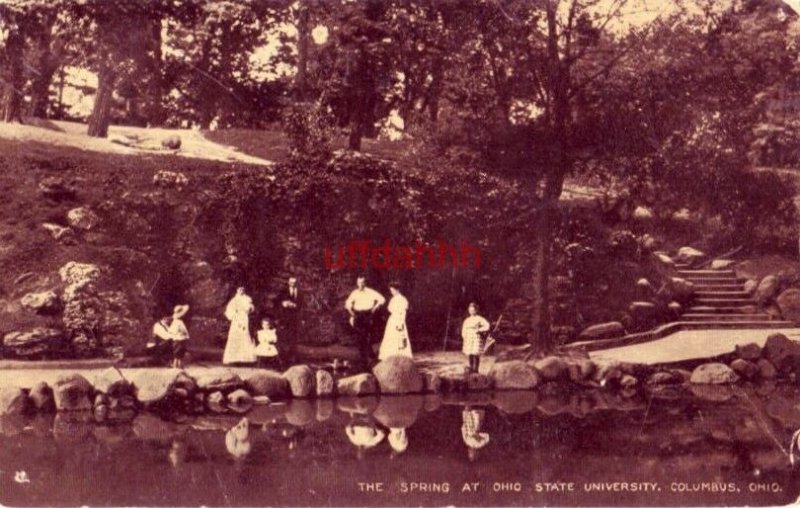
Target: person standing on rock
(289, 302)
(472, 332)
(395, 337)
(239, 348)
(179, 335)
(362, 304)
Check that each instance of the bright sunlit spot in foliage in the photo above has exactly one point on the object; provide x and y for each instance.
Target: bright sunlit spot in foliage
(320, 34)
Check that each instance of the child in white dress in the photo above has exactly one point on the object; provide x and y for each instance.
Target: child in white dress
(267, 350)
(472, 333)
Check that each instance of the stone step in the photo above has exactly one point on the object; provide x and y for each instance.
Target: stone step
(722, 295)
(703, 309)
(718, 286)
(707, 273)
(725, 317)
(715, 289)
(724, 302)
(717, 324)
(706, 280)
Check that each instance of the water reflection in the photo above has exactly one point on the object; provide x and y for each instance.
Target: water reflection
(472, 423)
(285, 453)
(237, 439)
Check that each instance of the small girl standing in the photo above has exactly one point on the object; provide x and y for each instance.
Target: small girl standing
(266, 350)
(471, 332)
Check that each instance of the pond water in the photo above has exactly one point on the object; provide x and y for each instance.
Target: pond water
(717, 446)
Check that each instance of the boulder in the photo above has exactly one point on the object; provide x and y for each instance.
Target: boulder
(642, 213)
(745, 368)
(648, 242)
(689, 255)
(714, 374)
(44, 302)
(665, 378)
(664, 260)
(398, 375)
(79, 274)
(766, 370)
(240, 401)
(514, 375)
(681, 288)
(59, 233)
(782, 352)
(789, 304)
(219, 379)
(41, 396)
(581, 369)
(83, 218)
(112, 383)
(172, 142)
(675, 308)
(766, 290)
(750, 352)
(628, 381)
(166, 178)
(603, 331)
(13, 401)
(301, 380)
(36, 342)
(269, 383)
(57, 189)
(551, 368)
(324, 410)
(750, 286)
(722, 264)
(215, 401)
(72, 392)
(682, 215)
(643, 313)
(357, 385)
(324, 383)
(153, 385)
(479, 382)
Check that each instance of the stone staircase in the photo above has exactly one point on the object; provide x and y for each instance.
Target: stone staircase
(721, 302)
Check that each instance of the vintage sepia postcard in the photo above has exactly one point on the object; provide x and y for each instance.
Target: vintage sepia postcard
(399, 253)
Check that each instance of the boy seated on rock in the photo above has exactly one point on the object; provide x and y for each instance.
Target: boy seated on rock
(160, 345)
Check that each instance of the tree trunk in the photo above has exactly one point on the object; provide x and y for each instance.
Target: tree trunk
(354, 140)
(40, 88)
(100, 118)
(12, 89)
(154, 109)
(540, 320)
(303, 34)
(559, 164)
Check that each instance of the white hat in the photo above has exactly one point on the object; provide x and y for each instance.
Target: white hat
(179, 311)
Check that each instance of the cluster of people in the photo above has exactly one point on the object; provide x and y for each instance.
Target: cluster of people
(170, 334)
(242, 349)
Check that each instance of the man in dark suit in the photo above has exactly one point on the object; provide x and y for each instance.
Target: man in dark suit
(289, 302)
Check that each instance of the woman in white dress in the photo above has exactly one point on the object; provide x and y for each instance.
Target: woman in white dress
(395, 337)
(240, 347)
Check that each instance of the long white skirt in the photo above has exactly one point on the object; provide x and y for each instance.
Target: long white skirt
(395, 342)
(239, 348)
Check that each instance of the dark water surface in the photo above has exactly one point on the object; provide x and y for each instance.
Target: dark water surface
(713, 447)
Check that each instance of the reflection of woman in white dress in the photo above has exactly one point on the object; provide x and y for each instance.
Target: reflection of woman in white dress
(395, 337)
(240, 347)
